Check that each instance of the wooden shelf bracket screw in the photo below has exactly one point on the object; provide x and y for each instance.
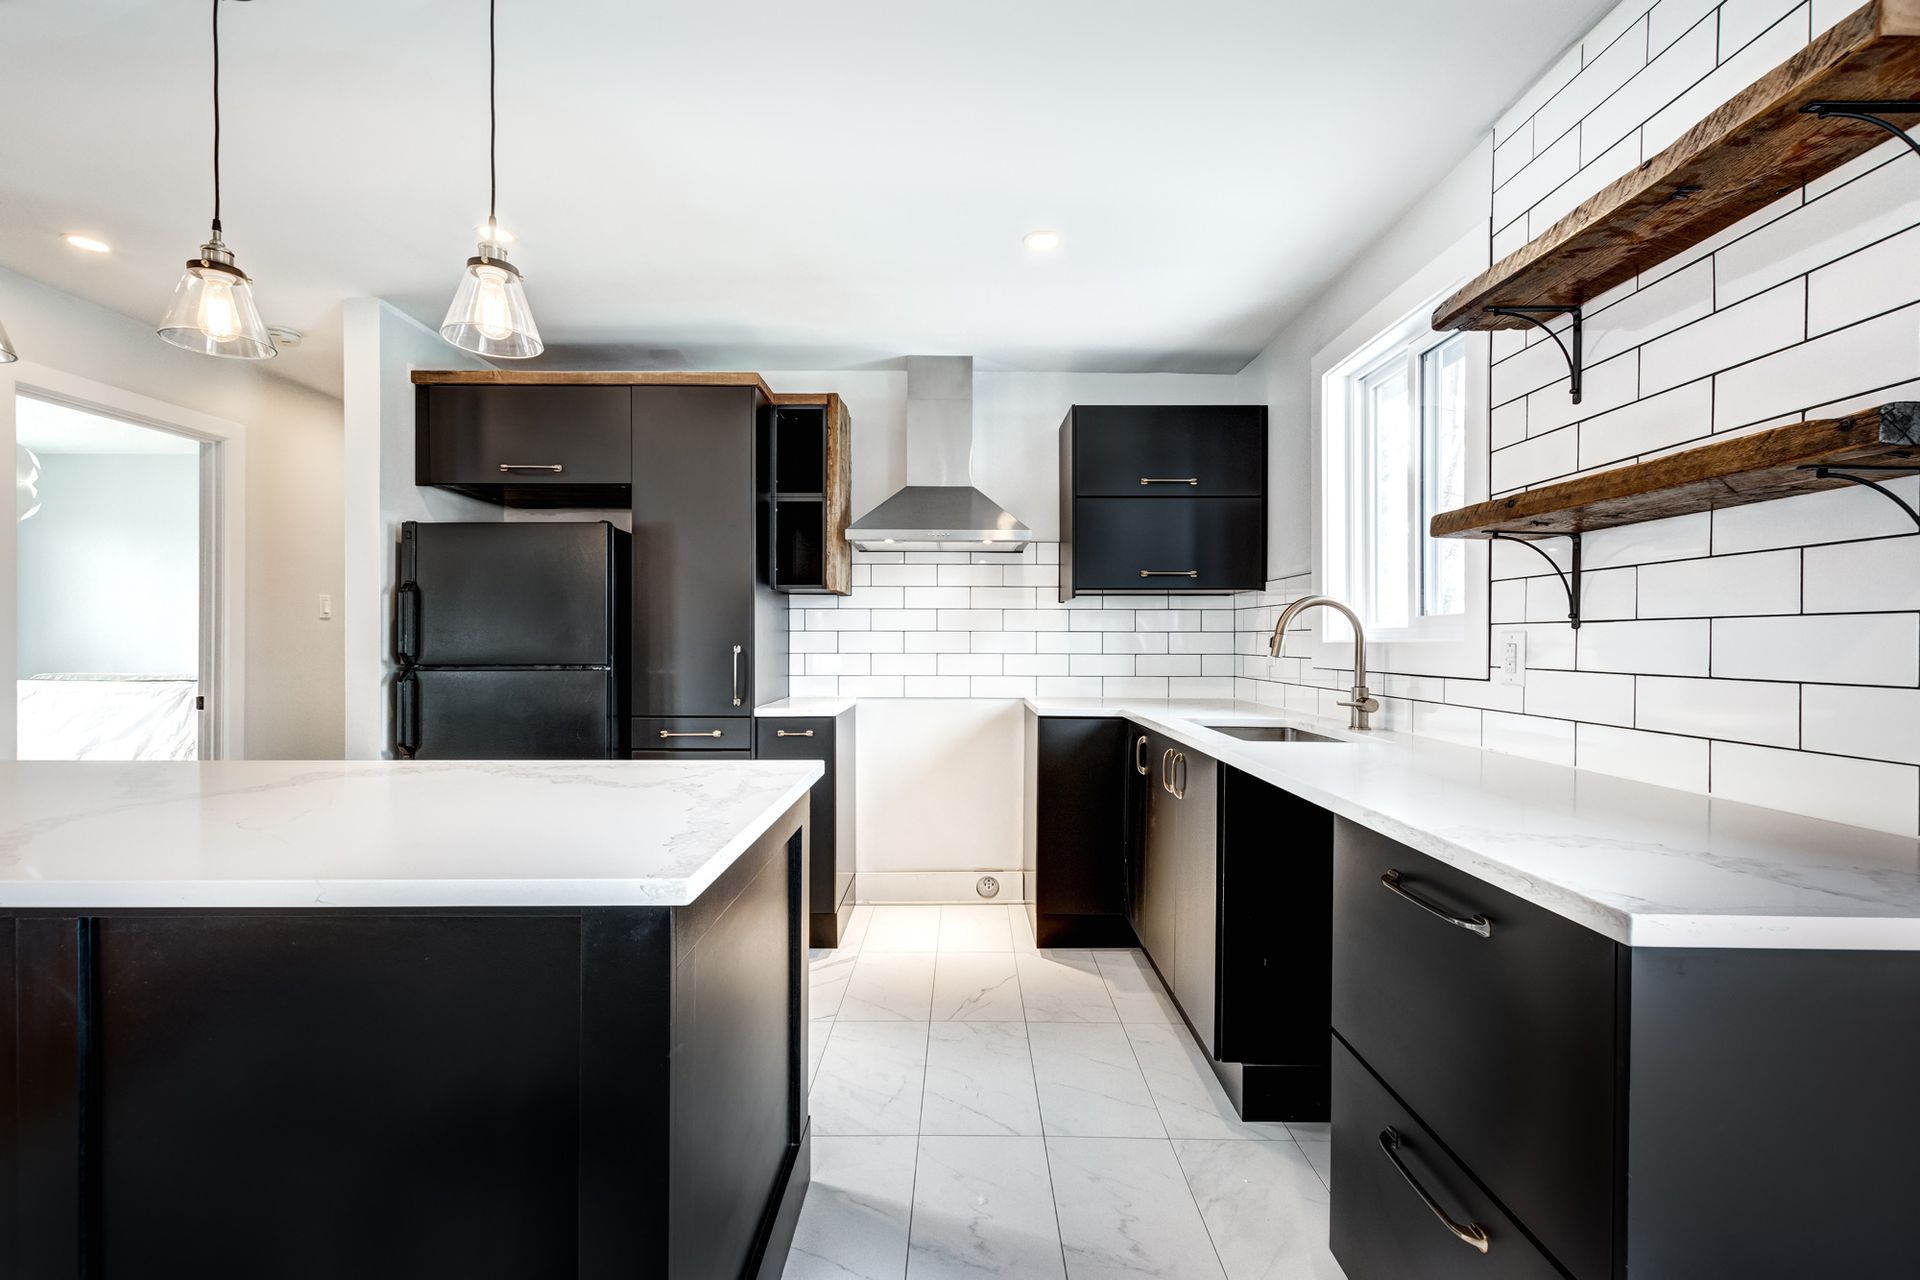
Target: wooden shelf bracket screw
(1570, 582)
(1532, 315)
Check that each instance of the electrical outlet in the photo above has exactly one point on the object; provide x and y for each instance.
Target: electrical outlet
(1510, 657)
(326, 608)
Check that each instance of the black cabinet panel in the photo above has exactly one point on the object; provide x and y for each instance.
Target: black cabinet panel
(1156, 450)
(546, 446)
(1504, 1045)
(1157, 911)
(1193, 801)
(828, 739)
(692, 733)
(709, 633)
(1076, 829)
(699, 757)
(1381, 1229)
(1201, 544)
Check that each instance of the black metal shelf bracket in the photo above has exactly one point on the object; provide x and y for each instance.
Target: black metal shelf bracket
(1571, 582)
(1532, 315)
(1869, 111)
(1843, 472)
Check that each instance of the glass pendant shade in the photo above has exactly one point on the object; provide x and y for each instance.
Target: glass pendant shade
(489, 315)
(212, 311)
(6, 348)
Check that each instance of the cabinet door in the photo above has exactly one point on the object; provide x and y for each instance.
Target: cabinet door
(782, 738)
(1159, 881)
(528, 440)
(1196, 782)
(1195, 544)
(1171, 451)
(694, 551)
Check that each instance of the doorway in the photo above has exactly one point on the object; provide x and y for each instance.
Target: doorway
(115, 609)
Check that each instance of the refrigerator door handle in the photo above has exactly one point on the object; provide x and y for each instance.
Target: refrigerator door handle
(736, 675)
(407, 622)
(407, 716)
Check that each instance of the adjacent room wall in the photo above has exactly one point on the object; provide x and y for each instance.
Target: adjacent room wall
(1770, 653)
(293, 487)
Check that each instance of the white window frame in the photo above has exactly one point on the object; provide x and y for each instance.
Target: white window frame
(1453, 645)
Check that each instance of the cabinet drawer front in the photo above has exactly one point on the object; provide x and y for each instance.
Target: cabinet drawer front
(794, 738)
(1382, 1228)
(527, 437)
(692, 733)
(702, 756)
(1194, 544)
(1504, 1044)
(1169, 451)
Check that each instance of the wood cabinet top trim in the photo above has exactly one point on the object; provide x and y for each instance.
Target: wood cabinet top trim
(586, 378)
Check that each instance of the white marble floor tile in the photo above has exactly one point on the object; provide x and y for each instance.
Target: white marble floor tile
(818, 1031)
(855, 934)
(1064, 986)
(827, 983)
(976, 987)
(1310, 1130)
(1126, 1212)
(1191, 1101)
(1135, 988)
(1022, 925)
(870, 1079)
(889, 987)
(1264, 1206)
(983, 1207)
(979, 1080)
(1320, 1156)
(903, 928)
(1090, 1085)
(853, 1225)
(971, 928)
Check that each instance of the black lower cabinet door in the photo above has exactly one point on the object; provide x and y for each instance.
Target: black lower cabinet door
(517, 714)
(1168, 544)
(830, 841)
(1402, 1205)
(1079, 832)
(691, 757)
(1195, 779)
(1157, 908)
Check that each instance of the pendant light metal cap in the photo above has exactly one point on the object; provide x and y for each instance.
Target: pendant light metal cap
(490, 316)
(213, 313)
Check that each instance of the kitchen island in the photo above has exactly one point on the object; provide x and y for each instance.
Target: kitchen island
(399, 1020)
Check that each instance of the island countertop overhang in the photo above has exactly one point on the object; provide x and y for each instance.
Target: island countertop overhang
(319, 834)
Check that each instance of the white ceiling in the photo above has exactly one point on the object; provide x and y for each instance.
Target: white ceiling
(761, 183)
(49, 429)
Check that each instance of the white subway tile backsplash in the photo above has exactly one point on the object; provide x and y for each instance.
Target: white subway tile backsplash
(1100, 664)
(1536, 461)
(938, 687)
(1662, 759)
(1553, 166)
(1069, 686)
(870, 686)
(969, 575)
(1823, 231)
(1841, 648)
(1199, 687)
(1742, 710)
(1067, 642)
(868, 641)
(1163, 664)
(1863, 577)
(1036, 664)
(1133, 641)
(1003, 642)
(1877, 278)
(1767, 582)
(1032, 575)
(1678, 648)
(1530, 736)
(1003, 687)
(969, 664)
(1848, 720)
(1034, 619)
(938, 597)
(1101, 620)
(1672, 19)
(1003, 598)
(1742, 20)
(1601, 77)
(968, 620)
(1134, 687)
(1875, 353)
(1731, 336)
(1778, 43)
(1866, 793)
(1580, 695)
(938, 642)
(1836, 516)
(1673, 71)
(1657, 421)
(903, 664)
(903, 619)
(838, 619)
(1447, 723)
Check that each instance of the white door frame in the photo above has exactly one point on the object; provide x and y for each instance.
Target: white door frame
(223, 543)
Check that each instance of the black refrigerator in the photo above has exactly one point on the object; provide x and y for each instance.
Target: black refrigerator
(512, 641)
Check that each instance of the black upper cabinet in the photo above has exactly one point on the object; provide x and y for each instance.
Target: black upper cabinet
(532, 446)
(1163, 498)
(709, 633)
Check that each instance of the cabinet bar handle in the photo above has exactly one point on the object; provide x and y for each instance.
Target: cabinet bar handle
(793, 733)
(1169, 573)
(1166, 771)
(554, 467)
(1473, 1235)
(1167, 480)
(736, 675)
(1179, 787)
(1139, 759)
(1476, 924)
(704, 733)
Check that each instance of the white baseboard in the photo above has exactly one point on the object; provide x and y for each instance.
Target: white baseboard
(936, 886)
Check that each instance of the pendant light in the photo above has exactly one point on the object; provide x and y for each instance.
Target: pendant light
(6, 348)
(212, 311)
(489, 315)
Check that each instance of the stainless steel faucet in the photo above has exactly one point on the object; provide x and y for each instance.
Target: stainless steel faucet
(1362, 704)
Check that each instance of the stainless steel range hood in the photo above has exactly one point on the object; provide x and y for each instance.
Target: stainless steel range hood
(939, 509)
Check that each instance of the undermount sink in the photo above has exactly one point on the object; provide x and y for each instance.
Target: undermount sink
(1268, 733)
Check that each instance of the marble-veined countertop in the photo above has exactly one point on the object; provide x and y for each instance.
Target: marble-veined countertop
(261, 833)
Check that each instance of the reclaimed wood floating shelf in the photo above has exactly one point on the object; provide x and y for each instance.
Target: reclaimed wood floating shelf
(1747, 154)
(587, 378)
(1779, 462)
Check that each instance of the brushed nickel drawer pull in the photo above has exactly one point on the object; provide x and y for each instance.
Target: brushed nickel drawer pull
(1140, 760)
(1479, 925)
(704, 733)
(1172, 480)
(554, 467)
(1473, 1235)
(1166, 771)
(1169, 573)
(793, 733)
(1179, 787)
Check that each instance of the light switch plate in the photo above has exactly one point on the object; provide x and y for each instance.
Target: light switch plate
(1510, 657)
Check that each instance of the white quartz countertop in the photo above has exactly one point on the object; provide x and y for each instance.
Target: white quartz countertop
(826, 708)
(381, 833)
(1644, 865)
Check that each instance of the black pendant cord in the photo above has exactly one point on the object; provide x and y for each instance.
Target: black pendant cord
(1872, 112)
(493, 128)
(216, 119)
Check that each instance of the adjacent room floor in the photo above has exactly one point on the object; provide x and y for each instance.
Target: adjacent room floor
(984, 1108)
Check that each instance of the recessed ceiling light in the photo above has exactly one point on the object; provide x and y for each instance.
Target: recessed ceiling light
(1041, 241)
(87, 243)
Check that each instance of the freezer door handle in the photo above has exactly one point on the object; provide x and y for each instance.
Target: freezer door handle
(406, 736)
(406, 622)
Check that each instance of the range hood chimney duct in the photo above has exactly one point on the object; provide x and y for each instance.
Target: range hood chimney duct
(939, 509)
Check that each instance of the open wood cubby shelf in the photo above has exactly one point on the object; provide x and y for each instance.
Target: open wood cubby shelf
(1778, 462)
(1756, 148)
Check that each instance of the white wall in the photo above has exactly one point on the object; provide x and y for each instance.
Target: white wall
(109, 568)
(292, 483)
(1769, 653)
(382, 349)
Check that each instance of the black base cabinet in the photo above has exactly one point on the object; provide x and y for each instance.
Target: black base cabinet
(1074, 831)
(830, 875)
(1603, 1110)
(391, 1094)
